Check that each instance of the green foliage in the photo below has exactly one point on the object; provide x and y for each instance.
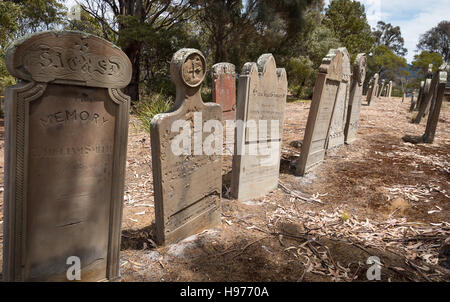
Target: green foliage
(206, 93)
(437, 40)
(385, 62)
(348, 21)
(391, 36)
(424, 59)
(147, 107)
(38, 15)
(301, 77)
(321, 41)
(9, 13)
(87, 24)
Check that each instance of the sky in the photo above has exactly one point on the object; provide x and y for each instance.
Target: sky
(415, 17)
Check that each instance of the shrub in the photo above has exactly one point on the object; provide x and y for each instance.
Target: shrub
(149, 106)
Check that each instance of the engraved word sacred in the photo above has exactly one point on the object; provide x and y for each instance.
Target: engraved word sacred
(61, 61)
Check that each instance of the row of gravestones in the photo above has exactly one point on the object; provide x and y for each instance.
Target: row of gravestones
(377, 90)
(66, 129)
(429, 101)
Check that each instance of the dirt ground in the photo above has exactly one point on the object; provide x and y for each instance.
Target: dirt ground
(377, 197)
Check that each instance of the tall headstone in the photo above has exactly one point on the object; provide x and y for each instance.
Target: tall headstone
(437, 91)
(325, 94)
(336, 135)
(262, 92)
(66, 145)
(354, 104)
(436, 104)
(224, 88)
(372, 95)
(413, 101)
(389, 92)
(419, 95)
(380, 91)
(186, 152)
(427, 94)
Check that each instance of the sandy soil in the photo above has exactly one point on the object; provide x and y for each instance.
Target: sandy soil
(377, 197)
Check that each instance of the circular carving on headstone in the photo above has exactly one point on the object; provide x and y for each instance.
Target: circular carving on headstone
(193, 70)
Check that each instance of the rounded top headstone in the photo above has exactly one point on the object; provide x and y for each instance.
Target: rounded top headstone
(69, 57)
(188, 67)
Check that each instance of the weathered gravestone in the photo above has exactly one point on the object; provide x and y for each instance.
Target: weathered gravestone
(425, 101)
(224, 89)
(262, 93)
(326, 91)
(380, 91)
(436, 93)
(436, 104)
(336, 136)
(65, 152)
(413, 101)
(186, 152)
(419, 96)
(373, 92)
(354, 104)
(389, 92)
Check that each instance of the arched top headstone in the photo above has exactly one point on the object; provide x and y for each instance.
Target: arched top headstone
(69, 57)
(336, 64)
(223, 68)
(359, 71)
(266, 68)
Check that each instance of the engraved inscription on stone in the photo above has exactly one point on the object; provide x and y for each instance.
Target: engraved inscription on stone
(354, 105)
(72, 163)
(262, 95)
(331, 86)
(193, 70)
(336, 136)
(65, 149)
(188, 187)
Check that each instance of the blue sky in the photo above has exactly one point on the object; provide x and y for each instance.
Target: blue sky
(414, 17)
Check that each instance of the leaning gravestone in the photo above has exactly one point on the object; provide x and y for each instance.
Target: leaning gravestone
(436, 104)
(65, 151)
(437, 92)
(373, 92)
(380, 91)
(224, 89)
(413, 101)
(187, 175)
(325, 93)
(427, 95)
(336, 135)
(419, 96)
(389, 92)
(262, 93)
(354, 104)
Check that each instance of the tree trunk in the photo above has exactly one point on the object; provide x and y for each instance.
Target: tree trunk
(133, 51)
